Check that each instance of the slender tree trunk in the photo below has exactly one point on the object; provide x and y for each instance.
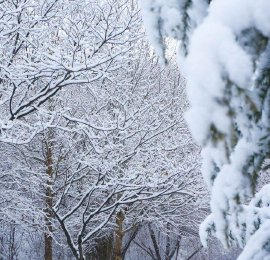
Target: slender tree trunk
(80, 248)
(168, 243)
(12, 249)
(119, 235)
(133, 235)
(155, 243)
(48, 202)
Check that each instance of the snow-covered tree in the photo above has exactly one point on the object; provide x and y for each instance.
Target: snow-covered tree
(127, 137)
(46, 47)
(92, 138)
(49, 45)
(90, 127)
(224, 52)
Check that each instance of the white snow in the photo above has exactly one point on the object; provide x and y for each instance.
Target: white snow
(221, 69)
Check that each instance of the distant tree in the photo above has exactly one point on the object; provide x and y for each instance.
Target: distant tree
(125, 171)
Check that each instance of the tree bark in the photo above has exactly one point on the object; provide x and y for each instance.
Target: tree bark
(119, 235)
(48, 250)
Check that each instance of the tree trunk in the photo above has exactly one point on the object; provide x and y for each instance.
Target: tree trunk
(168, 243)
(119, 235)
(48, 202)
(103, 249)
(12, 249)
(155, 243)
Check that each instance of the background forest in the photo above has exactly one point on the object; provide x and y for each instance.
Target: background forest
(95, 156)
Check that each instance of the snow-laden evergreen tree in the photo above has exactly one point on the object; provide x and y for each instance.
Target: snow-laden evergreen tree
(224, 51)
